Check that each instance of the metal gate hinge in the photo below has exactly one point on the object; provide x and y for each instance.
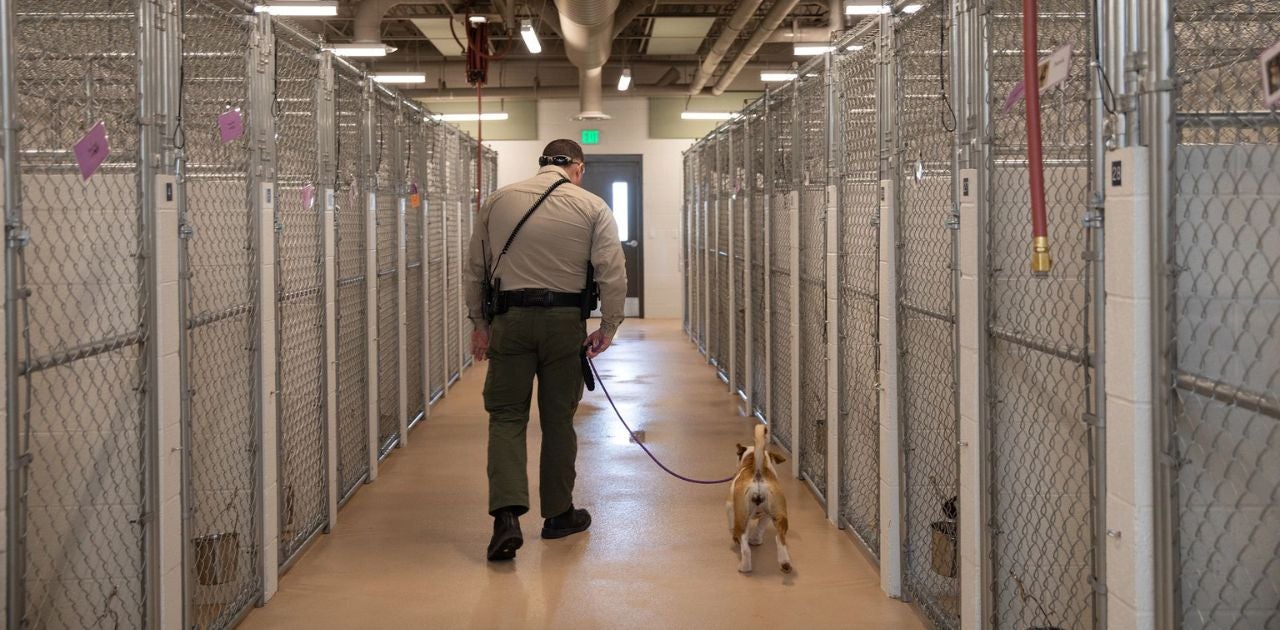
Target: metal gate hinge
(1090, 419)
(953, 222)
(23, 461)
(279, 227)
(143, 519)
(1099, 586)
(19, 236)
(185, 231)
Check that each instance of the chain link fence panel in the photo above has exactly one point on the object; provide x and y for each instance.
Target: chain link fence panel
(720, 196)
(466, 214)
(811, 162)
(453, 234)
(414, 131)
(711, 231)
(1039, 354)
(220, 285)
(350, 108)
(300, 297)
(758, 299)
(780, 182)
(737, 196)
(79, 298)
(926, 311)
(438, 285)
(1225, 303)
(690, 236)
(387, 159)
(854, 71)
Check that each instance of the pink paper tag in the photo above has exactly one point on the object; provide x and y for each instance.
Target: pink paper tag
(1015, 95)
(308, 196)
(92, 150)
(230, 125)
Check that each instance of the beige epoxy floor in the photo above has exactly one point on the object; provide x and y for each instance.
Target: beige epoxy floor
(408, 550)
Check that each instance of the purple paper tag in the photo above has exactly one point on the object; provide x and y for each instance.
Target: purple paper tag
(308, 196)
(92, 150)
(230, 125)
(1015, 95)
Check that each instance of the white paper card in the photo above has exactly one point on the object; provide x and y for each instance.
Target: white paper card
(1269, 61)
(1055, 68)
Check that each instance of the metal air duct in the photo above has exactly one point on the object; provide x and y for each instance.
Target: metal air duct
(588, 31)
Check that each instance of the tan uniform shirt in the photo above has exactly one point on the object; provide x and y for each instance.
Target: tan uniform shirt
(552, 249)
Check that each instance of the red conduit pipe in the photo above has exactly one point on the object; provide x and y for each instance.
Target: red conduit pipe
(1040, 261)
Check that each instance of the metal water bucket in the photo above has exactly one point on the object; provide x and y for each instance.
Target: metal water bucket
(217, 557)
(943, 556)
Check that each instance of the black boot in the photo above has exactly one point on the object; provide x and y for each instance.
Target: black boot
(506, 535)
(566, 524)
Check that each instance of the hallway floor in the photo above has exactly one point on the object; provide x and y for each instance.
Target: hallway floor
(408, 550)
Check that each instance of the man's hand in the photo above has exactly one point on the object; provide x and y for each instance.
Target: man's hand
(597, 342)
(480, 344)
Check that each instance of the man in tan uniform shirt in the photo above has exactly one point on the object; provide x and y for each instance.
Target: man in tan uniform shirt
(541, 334)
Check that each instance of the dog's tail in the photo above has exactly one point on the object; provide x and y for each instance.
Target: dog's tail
(762, 445)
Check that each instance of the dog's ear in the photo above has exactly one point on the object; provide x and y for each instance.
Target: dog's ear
(741, 449)
(777, 459)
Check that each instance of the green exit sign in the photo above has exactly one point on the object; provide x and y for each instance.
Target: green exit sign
(590, 136)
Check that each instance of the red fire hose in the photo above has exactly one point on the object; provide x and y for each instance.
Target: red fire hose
(1040, 261)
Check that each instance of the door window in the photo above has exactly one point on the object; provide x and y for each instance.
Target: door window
(621, 213)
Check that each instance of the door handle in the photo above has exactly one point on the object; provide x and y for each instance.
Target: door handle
(631, 243)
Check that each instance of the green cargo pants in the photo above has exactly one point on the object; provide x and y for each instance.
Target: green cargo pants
(524, 343)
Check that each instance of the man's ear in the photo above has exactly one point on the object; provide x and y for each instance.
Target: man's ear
(777, 459)
(741, 449)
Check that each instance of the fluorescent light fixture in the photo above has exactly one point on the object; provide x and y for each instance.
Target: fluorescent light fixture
(530, 37)
(770, 76)
(912, 8)
(299, 8)
(624, 81)
(470, 117)
(707, 115)
(478, 19)
(855, 47)
(399, 77)
(361, 50)
(808, 50)
(865, 9)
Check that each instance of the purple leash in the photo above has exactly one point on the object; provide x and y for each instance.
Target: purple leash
(637, 441)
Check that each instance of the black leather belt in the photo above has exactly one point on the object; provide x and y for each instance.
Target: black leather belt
(540, 298)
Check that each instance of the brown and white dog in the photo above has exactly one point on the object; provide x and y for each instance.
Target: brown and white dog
(755, 498)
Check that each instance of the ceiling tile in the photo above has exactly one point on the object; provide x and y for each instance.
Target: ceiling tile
(678, 36)
(437, 31)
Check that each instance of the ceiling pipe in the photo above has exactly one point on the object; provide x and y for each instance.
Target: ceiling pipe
(767, 26)
(531, 65)
(737, 21)
(588, 39)
(591, 96)
(553, 91)
(369, 16)
(804, 34)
